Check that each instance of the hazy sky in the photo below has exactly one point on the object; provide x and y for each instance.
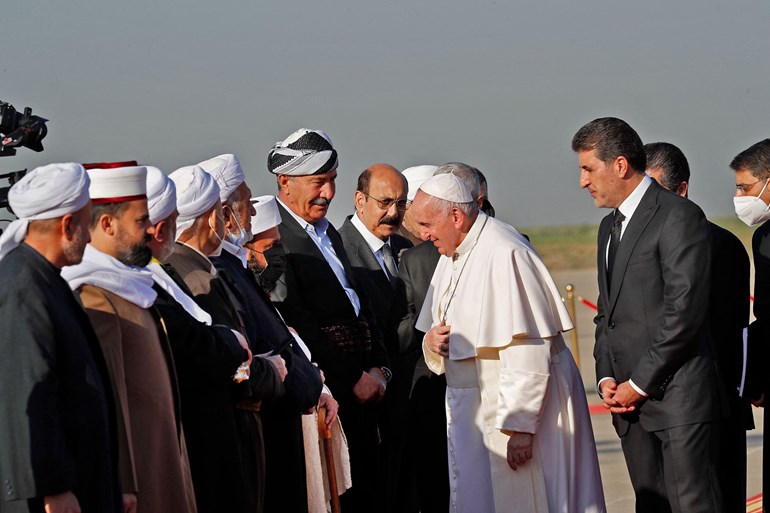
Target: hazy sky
(499, 85)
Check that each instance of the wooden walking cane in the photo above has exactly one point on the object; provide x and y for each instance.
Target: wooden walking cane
(325, 434)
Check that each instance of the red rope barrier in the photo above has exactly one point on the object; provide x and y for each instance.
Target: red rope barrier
(587, 303)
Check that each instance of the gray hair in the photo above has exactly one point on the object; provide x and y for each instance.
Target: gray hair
(468, 174)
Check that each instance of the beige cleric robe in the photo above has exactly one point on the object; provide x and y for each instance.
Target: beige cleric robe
(509, 370)
(153, 456)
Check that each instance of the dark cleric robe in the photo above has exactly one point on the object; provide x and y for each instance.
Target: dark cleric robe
(285, 485)
(211, 293)
(57, 427)
(206, 358)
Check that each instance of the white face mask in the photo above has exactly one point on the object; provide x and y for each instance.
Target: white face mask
(752, 210)
(243, 236)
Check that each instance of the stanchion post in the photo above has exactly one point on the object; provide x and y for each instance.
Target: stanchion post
(571, 308)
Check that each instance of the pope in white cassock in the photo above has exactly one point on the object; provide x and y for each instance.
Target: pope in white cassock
(519, 432)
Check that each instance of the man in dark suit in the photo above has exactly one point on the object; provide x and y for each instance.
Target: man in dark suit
(373, 247)
(58, 450)
(752, 197)
(728, 315)
(321, 298)
(653, 359)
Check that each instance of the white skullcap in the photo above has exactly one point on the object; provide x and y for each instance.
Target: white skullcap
(305, 152)
(196, 193)
(227, 171)
(267, 215)
(415, 176)
(46, 192)
(118, 184)
(161, 195)
(447, 187)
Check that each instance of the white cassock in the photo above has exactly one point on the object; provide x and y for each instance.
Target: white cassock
(509, 369)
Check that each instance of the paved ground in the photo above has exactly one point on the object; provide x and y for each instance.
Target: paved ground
(617, 487)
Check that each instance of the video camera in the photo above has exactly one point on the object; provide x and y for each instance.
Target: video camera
(20, 130)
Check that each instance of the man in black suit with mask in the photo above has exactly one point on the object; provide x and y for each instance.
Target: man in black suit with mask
(653, 360)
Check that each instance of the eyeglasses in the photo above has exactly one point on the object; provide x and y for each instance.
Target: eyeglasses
(385, 204)
(745, 188)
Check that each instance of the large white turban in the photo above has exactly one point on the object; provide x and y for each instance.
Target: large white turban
(196, 193)
(161, 195)
(118, 184)
(447, 187)
(416, 176)
(267, 215)
(46, 192)
(305, 152)
(227, 171)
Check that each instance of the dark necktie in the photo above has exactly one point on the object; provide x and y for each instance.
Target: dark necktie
(615, 231)
(390, 263)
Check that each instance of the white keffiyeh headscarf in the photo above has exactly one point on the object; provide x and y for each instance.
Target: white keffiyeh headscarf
(46, 192)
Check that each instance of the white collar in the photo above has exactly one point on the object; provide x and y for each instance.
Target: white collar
(371, 239)
(320, 226)
(473, 234)
(628, 207)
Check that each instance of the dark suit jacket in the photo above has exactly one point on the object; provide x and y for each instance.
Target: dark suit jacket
(758, 378)
(386, 303)
(651, 326)
(57, 416)
(415, 272)
(729, 314)
(309, 296)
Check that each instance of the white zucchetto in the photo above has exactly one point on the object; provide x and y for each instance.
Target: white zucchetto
(267, 215)
(227, 171)
(448, 188)
(196, 193)
(416, 176)
(46, 192)
(161, 195)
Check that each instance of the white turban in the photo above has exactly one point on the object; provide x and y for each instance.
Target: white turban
(196, 193)
(227, 171)
(447, 187)
(161, 195)
(118, 184)
(305, 152)
(415, 176)
(267, 215)
(45, 192)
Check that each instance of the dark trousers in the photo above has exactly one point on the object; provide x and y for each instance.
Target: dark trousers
(425, 476)
(732, 462)
(248, 425)
(675, 470)
(359, 421)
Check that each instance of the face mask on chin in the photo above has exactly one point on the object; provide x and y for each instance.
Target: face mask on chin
(752, 210)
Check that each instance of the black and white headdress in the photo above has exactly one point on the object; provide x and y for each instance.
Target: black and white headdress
(305, 152)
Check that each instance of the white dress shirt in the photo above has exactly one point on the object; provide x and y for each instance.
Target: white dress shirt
(375, 243)
(318, 235)
(627, 208)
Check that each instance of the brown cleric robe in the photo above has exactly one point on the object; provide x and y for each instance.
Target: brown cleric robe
(152, 454)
